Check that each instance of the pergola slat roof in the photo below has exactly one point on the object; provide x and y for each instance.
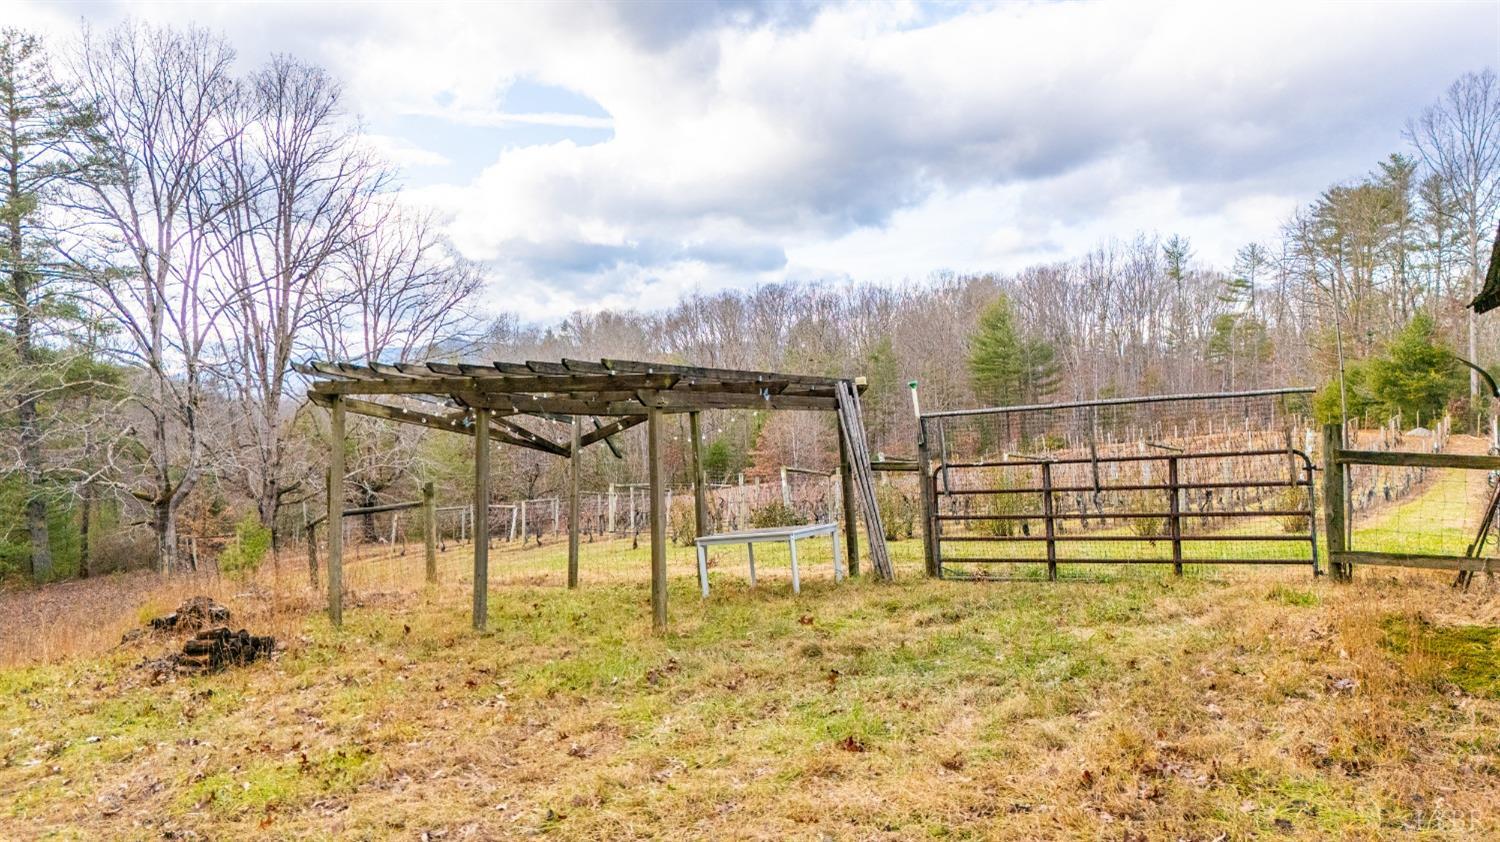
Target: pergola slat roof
(619, 389)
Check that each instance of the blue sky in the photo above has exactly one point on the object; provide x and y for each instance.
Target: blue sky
(624, 155)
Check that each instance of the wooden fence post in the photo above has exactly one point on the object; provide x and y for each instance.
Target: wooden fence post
(312, 556)
(481, 517)
(700, 503)
(312, 535)
(846, 491)
(429, 529)
(574, 458)
(658, 523)
(336, 510)
(1334, 504)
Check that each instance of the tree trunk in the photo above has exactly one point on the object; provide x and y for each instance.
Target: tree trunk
(266, 507)
(31, 442)
(268, 497)
(85, 513)
(164, 523)
(367, 520)
(1473, 333)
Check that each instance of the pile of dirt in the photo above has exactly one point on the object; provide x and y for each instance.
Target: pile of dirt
(196, 613)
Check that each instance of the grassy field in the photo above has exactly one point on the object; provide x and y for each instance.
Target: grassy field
(1220, 706)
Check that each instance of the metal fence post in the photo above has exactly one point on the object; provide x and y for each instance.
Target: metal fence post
(930, 551)
(1049, 521)
(1175, 510)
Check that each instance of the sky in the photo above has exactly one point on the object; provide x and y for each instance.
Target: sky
(623, 155)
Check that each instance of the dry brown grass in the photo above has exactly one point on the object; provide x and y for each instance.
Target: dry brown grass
(1254, 705)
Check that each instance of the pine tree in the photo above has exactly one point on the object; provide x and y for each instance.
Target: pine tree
(1416, 376)
(36, 125)
(1007, 367)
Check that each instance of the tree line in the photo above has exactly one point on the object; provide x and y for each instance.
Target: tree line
(176, 233)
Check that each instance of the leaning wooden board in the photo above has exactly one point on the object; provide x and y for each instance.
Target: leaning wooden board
(852, 427)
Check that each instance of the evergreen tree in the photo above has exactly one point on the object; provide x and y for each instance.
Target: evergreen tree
(36, 124)
(1007, 367)
(1416, 376)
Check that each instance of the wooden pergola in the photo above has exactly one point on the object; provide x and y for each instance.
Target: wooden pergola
(490, 401)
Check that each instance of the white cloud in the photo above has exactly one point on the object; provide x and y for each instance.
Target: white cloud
(872, 140)
(402, 152)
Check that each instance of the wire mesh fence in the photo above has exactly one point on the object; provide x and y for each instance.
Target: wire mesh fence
(1188, 480)
(1417, 509)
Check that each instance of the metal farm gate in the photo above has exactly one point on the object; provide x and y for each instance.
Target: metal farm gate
(1180, 480)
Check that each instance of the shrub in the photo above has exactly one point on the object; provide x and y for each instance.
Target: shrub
(251, 542)
(1146, 527)
(775, 513)
(1002, 504)
(1287, 500)
(118, 550)
(682, 526)
(898, 514)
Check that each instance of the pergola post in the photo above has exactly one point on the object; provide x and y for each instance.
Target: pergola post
(429, 529)
(574, 458)
(846, 492)
(700, 504)
(335, 520)
(658, 522)
(481, 517)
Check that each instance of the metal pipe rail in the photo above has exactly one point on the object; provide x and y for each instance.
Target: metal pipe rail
(1300, 476)
(1197, 396)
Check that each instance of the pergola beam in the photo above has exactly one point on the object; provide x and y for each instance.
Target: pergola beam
(612, 428)
(674, 401)
(453, 425)
(362, 383)
(706, 373)
(539, 442)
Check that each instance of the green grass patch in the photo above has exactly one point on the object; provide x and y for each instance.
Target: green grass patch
(1469, 656)
(1292, 596)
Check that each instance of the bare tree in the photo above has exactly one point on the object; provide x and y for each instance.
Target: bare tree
(1458, 139)
(399, 293)
(398, 290)
(306, 183)
(166, 104)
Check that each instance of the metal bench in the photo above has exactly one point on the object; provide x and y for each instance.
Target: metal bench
(775, 534)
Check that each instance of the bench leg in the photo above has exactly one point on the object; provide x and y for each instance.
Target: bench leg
(796, 580)
(703, 570)
(838, 569)
(751, 549)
